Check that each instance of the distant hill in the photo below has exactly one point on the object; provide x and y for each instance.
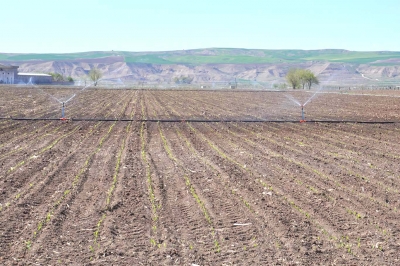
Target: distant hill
(221, 56)
(217, 64)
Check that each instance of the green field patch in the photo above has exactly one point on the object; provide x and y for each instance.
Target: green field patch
(219, 56)
(147, 59)
(221, 59)
(54, 57)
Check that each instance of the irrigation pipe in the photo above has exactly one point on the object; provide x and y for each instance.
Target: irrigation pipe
(201, 120)
(355, 94)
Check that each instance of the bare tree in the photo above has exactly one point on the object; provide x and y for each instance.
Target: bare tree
(310, 78)
(84, 78)
(301, 77)
(183, 80)
(292, 78)
(95, 75)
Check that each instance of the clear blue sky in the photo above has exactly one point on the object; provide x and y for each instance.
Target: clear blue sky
(60, 26)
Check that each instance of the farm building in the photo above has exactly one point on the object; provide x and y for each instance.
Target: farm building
(34, 78)
(9, 75)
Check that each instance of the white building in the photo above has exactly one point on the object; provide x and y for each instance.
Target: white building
(34, 78)
(8, 74)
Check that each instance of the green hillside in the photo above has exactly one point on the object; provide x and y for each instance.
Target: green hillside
(220, 56)
(53, 57)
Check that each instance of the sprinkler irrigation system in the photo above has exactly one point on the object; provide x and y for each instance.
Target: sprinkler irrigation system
(63, 108)
(198, 120)
(201, 120)
(63, 103)
(291, 98)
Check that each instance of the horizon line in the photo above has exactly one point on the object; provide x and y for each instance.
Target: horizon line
(193, 49)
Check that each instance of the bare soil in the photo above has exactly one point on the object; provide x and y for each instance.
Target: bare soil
(182, 193)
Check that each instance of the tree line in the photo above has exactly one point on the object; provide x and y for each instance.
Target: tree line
(94, 75)
(60, 78)
(296, 77)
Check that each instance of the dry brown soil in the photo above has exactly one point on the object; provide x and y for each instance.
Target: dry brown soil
(182, 193)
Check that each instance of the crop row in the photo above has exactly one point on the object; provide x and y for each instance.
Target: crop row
(110, 191)
(32, 183)
(74, 185)
(225, 156)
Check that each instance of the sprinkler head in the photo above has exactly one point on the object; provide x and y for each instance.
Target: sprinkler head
(302, 115)
(63, 111)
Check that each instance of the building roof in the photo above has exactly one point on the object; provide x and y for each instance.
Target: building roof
(7, 66)
(34, 74)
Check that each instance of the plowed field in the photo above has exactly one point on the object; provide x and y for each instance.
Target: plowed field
(182, 193)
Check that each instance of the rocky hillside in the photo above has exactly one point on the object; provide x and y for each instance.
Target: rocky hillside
(217, 65)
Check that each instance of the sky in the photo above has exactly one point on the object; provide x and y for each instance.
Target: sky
(48, 26)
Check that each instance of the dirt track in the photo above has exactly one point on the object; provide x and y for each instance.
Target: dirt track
(131, 193)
